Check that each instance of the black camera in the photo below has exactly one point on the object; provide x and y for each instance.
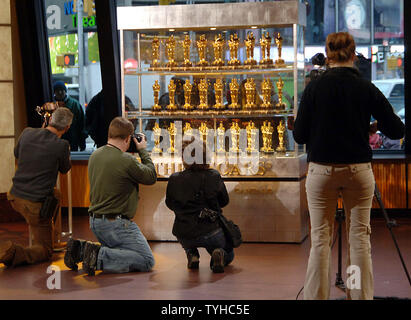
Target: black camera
(208, 214)
(139, 137)
(318, 60)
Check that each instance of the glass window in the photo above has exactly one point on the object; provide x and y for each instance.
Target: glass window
(75, 64)
(354, 17)
(320, 20)
(388, 21)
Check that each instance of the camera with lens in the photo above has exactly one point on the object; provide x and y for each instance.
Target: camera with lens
(139, 137)
(318, 60)
(208, 214)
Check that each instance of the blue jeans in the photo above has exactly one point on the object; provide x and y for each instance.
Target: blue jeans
(123, 247)
(211, 241)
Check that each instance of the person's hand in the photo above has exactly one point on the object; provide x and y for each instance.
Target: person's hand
(373, 127)
(290, 123)
(142, 144)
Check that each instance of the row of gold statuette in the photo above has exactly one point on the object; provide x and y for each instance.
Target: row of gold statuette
(218, 45)
(267, 131)
(250, 91)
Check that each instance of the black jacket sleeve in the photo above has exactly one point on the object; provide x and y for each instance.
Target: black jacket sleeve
(64, 160)
(387, 121)
(170, 201)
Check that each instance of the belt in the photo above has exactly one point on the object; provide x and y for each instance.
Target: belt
(108, 216)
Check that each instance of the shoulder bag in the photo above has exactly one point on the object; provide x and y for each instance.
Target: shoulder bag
(231, 231)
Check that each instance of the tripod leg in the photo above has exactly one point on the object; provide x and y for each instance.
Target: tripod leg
(339, 281)
(390, 224)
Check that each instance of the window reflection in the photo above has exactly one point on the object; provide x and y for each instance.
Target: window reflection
(80, 77)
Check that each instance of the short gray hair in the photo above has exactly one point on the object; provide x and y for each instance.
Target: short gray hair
(61, 118)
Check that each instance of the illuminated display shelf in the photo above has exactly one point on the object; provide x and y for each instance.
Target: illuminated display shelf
(265, 185)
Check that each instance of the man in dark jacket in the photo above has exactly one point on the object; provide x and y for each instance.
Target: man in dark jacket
(95, 122)
(77, 134)
(41, 155)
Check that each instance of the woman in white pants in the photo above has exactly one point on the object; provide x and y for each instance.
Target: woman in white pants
(333, 121)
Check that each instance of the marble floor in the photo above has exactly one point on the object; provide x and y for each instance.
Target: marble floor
(260, 271)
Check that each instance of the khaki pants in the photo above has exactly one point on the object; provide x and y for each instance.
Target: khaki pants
(355, 183)
(41, 229)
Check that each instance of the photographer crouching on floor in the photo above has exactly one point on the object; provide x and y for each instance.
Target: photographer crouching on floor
(196, 195)
(40, 154)
(114, 177)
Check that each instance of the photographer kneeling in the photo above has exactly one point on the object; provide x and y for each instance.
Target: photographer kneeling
(40, 154)
(114, 177)
(196, 195)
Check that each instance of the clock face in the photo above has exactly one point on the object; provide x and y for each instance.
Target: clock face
(354, 14)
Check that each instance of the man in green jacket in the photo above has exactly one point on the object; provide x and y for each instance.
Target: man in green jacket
(77, 134)
(114, 177)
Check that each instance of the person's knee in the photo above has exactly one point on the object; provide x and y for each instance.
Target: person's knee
(149, 263)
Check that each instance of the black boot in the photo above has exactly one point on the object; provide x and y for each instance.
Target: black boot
(193, 261)
(7, 251)
(90, 256)
(217, 260)
(74, 253)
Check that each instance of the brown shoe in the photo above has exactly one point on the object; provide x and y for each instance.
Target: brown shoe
(7, 250)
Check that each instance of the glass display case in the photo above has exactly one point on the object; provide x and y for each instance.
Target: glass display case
(228, 74)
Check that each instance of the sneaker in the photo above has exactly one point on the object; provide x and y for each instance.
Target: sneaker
(90, 255)
(193, 261)
(217, 261)
(7, 250)
(73, 253)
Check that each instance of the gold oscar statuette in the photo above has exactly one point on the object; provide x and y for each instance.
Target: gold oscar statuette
(171, 93)
(203, 131)
(172, 132)
(171, 48)
(235, 137)
(281, 130)
(234, 87)
(155, 53)
(266, 88)
(220, 138)
(187, 130)
(157, 135)
(267, 131)
(218, 89)
(250, 93)
(233, 44)
(279, 63)
(249, 44)
(201, 46)
(186, 46)
(156, 93)
(265, 43)
(187, 95)
(280, 106)
(251, 133)
(218, 46)
(203, 93)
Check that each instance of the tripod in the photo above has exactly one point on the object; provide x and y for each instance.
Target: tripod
(339, 215)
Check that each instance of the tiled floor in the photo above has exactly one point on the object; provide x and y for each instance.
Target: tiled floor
(259, 271)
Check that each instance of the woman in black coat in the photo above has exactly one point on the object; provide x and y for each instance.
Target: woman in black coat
(188, 193)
